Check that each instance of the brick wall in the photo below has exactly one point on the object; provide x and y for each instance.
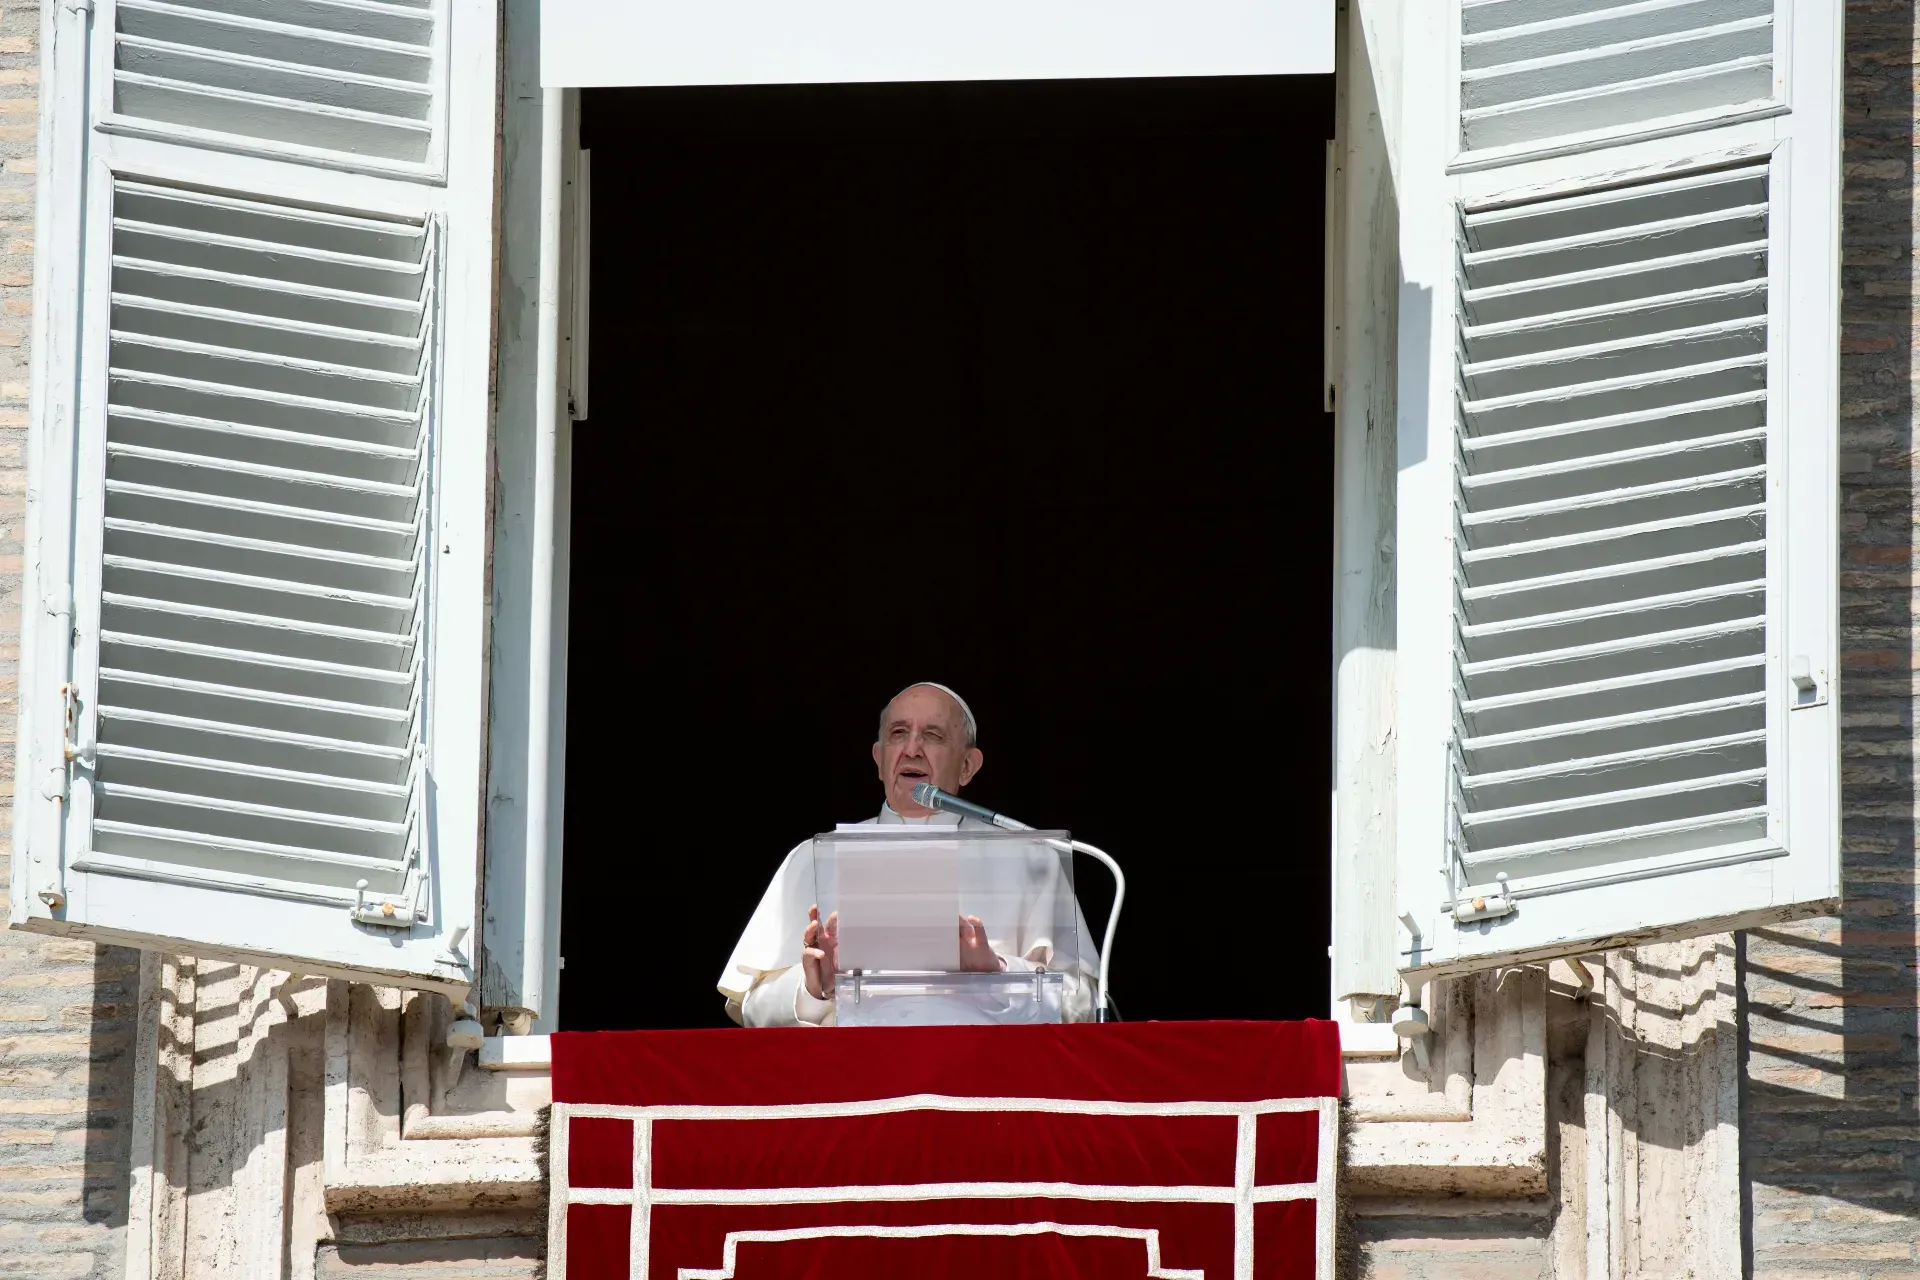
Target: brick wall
(1832, 1136)
(65, 1007)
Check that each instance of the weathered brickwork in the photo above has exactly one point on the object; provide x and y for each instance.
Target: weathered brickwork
(65, 1007)
(1832, 1134)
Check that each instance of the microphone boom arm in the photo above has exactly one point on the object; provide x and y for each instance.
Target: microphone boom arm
(934, 798)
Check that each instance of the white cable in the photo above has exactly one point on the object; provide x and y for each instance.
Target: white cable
(1113, 916)
(1119, 896)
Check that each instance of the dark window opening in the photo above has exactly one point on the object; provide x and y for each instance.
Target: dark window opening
(1015, 387)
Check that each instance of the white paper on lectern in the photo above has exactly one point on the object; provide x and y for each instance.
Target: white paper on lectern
(900, 896)
(692, 42)
(899, 904)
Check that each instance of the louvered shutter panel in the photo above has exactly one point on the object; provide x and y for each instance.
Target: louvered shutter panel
(1617, 601)
(1542, 73)
(351, 82)
(253, 721)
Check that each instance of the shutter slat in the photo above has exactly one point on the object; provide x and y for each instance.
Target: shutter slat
(267, 672)
(249, 709)
(1710, 834)
(1626, 730)
(377, 95)
(240, 780)
(316, 344)
(1499, 530)
(284, 589)
(1639, 581)
(248, 820)
(1598, 624)
(1629, 656)
(352, 492)
(366, 313)
(325, 127)
(1703, 768)
(242, 369)
(163, 853)
(1541, 253)
(1616, 546)
(188, 397)
(1622, 319)
(260, 446)
(1558, 441)
(255, 632)
(1620, 468)
(1598, 765)
(274, 486)
(270, 522)
(291, 752)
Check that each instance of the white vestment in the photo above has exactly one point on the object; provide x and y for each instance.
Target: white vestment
(762, 981)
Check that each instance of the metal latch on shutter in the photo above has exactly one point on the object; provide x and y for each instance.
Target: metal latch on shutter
(393, 913)
(1809, 684)
(1484, 904)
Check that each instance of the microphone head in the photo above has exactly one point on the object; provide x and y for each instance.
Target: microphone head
(927, 794)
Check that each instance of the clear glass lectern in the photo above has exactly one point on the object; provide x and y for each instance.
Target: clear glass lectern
(902, 893)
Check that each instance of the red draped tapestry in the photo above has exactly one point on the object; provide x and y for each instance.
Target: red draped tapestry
(1201, 1150)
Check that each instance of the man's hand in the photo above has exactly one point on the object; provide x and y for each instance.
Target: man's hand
(976, 953)
(820, 953)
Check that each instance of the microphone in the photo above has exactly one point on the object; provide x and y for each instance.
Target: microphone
(934, 798)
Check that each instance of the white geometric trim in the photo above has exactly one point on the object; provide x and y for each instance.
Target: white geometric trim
(882, 1192)
(1243, 1195)
(912, 1191)
(1147, 1235)
(942, 1102)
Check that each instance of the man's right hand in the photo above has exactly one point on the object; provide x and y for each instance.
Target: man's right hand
(820, 953)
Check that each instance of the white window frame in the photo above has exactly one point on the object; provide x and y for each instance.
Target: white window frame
(47, 895)
(1803, 743)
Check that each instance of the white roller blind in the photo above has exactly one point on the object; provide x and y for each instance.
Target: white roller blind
(670, 42)
(1618, 485)
(252, 720)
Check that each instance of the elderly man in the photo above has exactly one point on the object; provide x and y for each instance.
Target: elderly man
(781, 973)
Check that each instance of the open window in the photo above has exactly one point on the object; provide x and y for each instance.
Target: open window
(251, 699)
(1617, 478)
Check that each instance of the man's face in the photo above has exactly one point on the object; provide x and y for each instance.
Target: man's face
(923, 738)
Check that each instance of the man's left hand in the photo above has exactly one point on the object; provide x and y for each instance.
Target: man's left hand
(976, 953)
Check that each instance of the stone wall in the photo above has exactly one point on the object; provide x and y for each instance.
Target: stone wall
(66, 1008)
(1831, 1087)
(1832, 1146)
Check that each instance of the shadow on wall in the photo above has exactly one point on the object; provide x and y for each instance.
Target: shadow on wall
(114, 990)
(1832, 1136)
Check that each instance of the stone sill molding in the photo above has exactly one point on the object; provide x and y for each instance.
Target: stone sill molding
(1474, 1120)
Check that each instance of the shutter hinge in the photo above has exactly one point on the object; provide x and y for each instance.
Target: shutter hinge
(73, 751)
(80, 6)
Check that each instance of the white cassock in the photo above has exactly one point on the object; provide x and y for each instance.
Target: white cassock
(762, 981)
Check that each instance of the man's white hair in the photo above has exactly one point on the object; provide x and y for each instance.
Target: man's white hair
(970, 726)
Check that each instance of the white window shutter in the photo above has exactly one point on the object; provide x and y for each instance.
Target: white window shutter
(1618, 481)
(251, 702)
